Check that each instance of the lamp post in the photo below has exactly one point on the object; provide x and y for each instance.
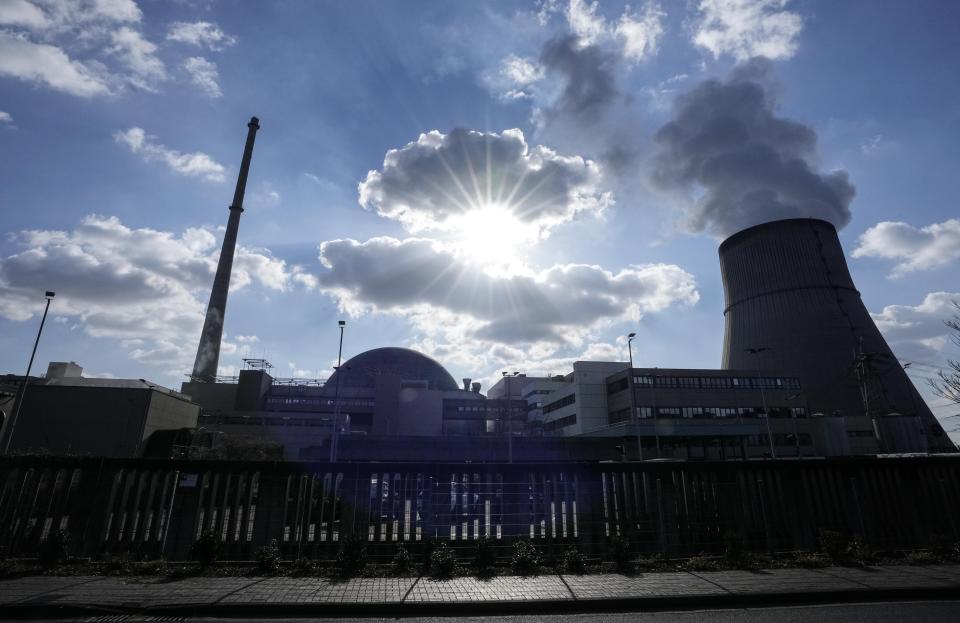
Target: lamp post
(763, 396)
(334, 438)
(26, 379)
(508, 376)
(633, 397)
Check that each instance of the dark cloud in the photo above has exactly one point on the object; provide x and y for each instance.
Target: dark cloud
(752, 166)
(590, 115)
(400, 276)
(440, 176)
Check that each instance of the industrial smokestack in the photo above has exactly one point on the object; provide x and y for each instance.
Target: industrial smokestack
(789, 295)
(208, 352)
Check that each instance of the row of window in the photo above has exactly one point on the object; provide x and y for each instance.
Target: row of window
(274, 401)
(706, 382)
(623, 415)
(356, 419)
(559, 404)
(563, 422)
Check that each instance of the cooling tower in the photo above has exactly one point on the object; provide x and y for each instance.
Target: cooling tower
(789, 296)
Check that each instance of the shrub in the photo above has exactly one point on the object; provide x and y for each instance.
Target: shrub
(352, 556)
(484, 556)
(574, 561)
(650, 563)
(55, 548)
(859, 551)
(525, 559)
(402, 560)
(810, 560)
(268, 558)
(921, 557)
(700, 563)
(832, 544)
(443, 561)
(619, 552)
(206, 549)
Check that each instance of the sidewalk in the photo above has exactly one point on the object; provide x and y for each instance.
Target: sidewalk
(251, 596)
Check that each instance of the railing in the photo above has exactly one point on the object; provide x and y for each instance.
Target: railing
(156, 508)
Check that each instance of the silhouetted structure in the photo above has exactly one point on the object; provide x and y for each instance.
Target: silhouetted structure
(208, 352)
(789, 295)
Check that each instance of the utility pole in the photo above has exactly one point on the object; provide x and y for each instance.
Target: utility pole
(507, 376)
(763, 396)
(26, 379)
(633, 397)
(335, 437)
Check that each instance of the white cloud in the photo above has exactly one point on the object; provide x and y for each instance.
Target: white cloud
(48, 65)
(521, 71)
(139, 56)
(640, 33)
(5, 117)
(429, 183)
(145, 288)
(203, 73)
(748, 28)
(196, 164)
(420, 278)
(914, 248)
(201, 34)
(877, 145)
(584, 21)
(636, 34)
(21, 13)
(917, 333)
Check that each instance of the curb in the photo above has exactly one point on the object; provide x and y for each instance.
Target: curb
(539, 606)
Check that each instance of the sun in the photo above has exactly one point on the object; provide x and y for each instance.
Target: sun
(492, 236)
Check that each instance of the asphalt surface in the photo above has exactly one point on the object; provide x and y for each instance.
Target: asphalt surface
(892, 612)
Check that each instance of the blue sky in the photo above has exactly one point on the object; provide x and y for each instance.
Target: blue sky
(122, 126)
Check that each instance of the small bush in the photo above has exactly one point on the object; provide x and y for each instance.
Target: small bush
(619, 553)
(650, 563)
(402, 561)
(206, 549)
(921, 557)
(352, 556)
(810, 560)
(574, 561)
(700, 563)
(55, 549)
(859, 551)
(941, 546)
(443, 561)
(153, 567)
(268, 558)
(525, 559)
(832, 544)
(306, 566)
(484, 556)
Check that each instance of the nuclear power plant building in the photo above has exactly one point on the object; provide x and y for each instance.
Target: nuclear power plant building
(805, 372)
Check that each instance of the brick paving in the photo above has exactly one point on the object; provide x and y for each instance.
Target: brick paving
(147, 593)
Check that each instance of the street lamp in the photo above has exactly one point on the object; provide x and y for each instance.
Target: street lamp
(334, 438)
(763, 397)
(633, 397)
(26, 379)
(508, 376)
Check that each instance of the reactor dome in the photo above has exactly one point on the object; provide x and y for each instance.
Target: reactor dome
(362, 370)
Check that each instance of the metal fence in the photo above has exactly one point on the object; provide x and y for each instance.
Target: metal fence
(153, 508)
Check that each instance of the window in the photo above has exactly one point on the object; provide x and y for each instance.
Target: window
(620, 416)
(617, 386)
(668, 411)
(644, 412)
(563, 422)
(559, 404)
(643, 381)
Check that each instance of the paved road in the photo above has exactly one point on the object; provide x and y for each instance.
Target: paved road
(895, 612)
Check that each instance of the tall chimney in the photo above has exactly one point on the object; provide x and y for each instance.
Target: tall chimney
(208, 352)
